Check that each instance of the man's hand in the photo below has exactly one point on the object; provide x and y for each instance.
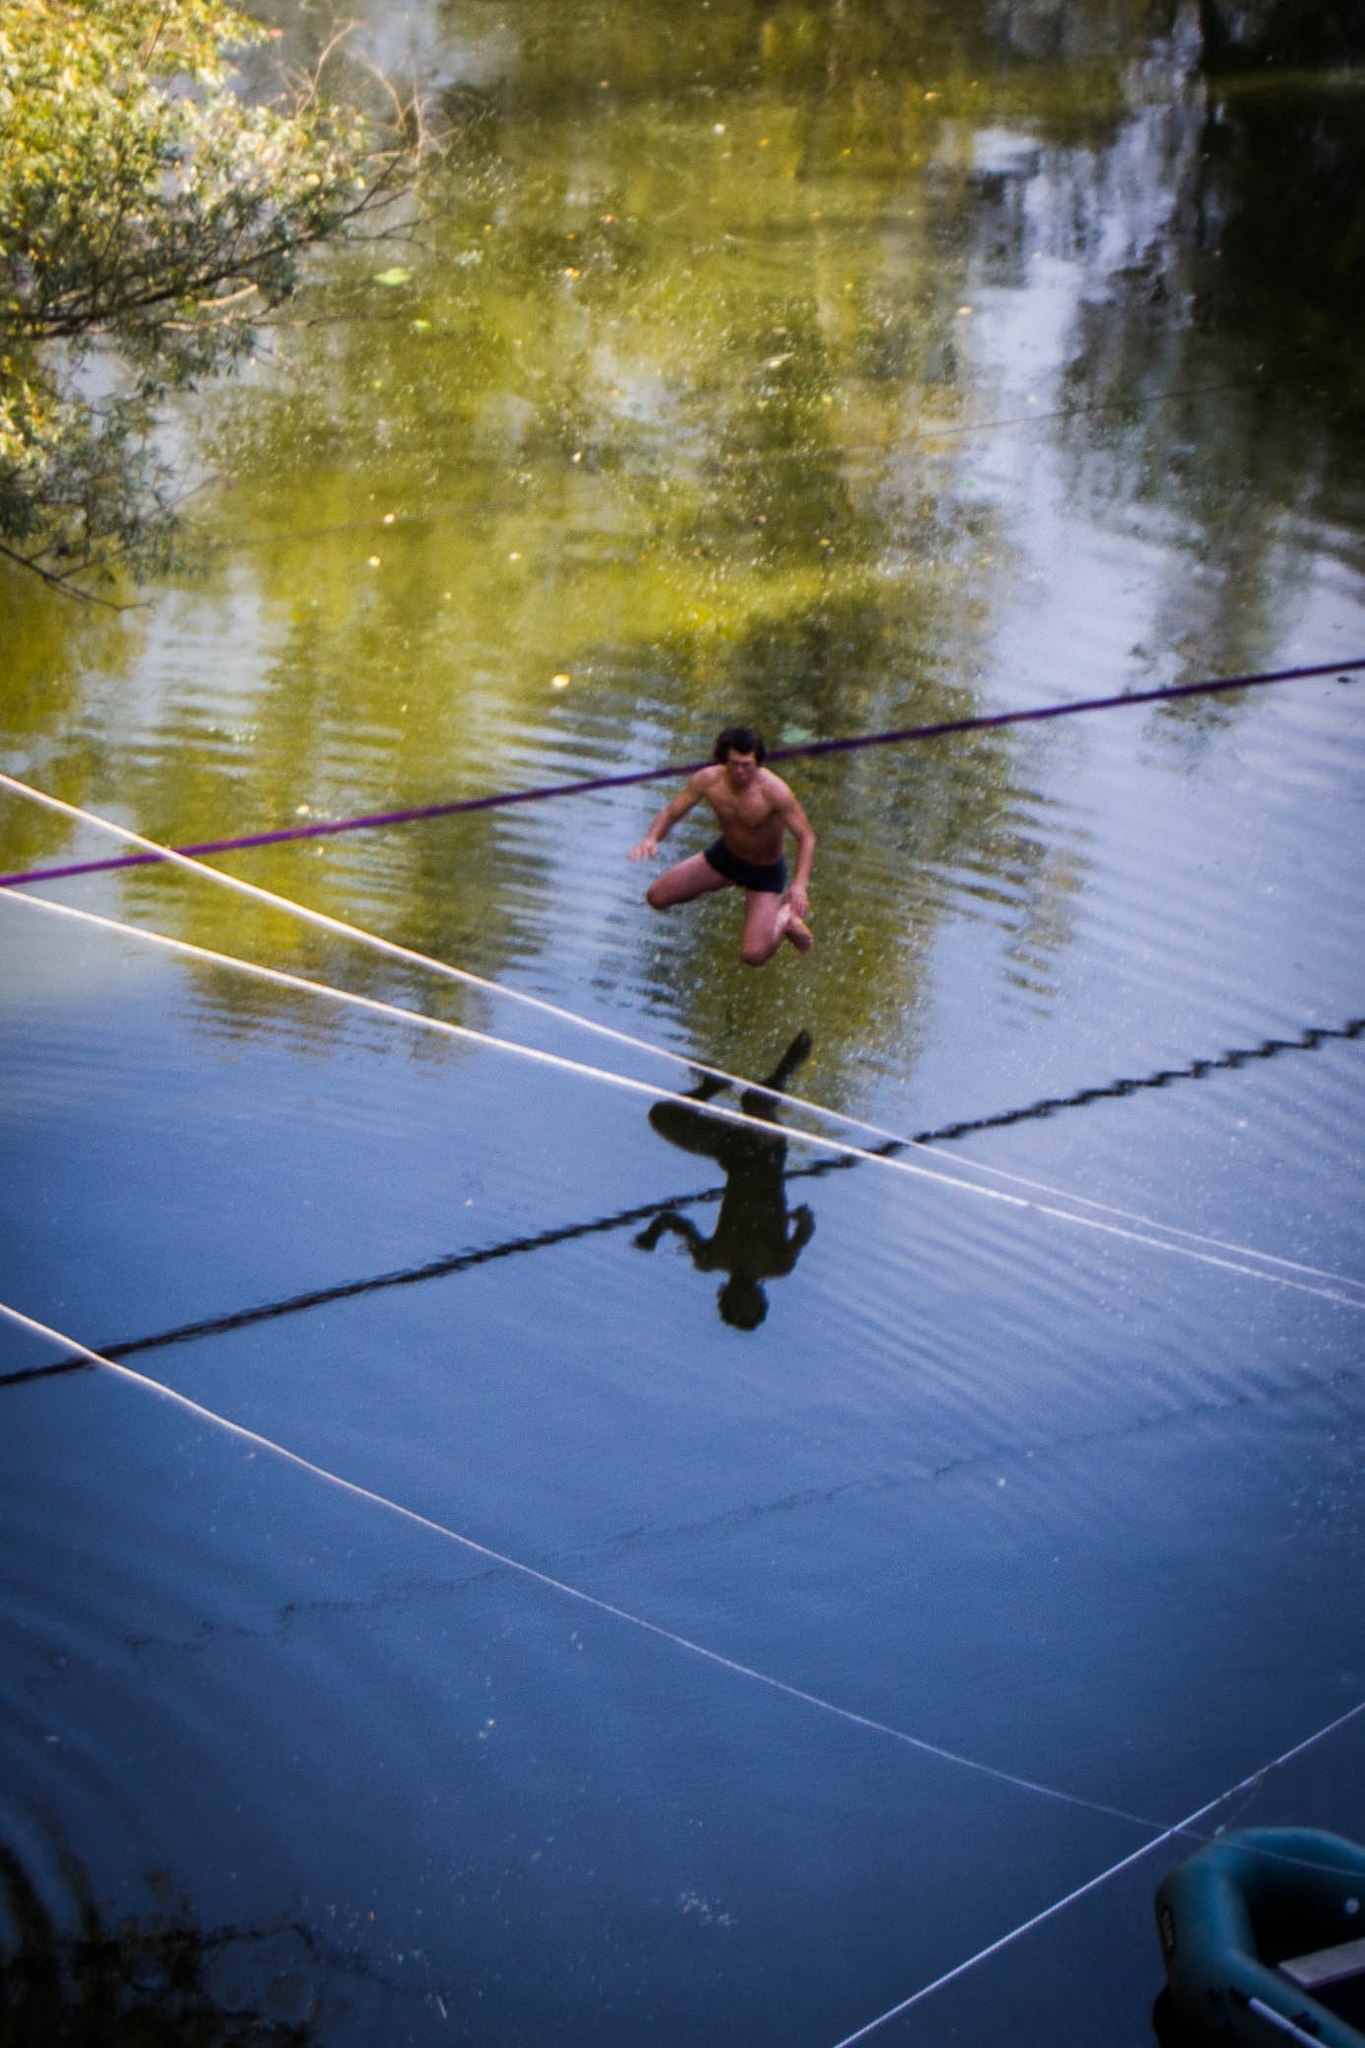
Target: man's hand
(646, 850)
(799, 901)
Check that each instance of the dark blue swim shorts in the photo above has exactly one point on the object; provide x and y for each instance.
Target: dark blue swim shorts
(769, 876)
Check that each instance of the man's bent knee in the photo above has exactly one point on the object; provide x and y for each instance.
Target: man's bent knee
(655, 897)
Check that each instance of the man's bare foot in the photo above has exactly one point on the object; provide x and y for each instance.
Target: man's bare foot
(795, 929)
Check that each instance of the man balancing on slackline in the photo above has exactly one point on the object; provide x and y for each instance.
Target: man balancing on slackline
(755, 810)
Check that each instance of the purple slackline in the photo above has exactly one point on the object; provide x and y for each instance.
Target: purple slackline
(330, 827)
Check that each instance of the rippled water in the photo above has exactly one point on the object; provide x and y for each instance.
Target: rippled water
(846, 369)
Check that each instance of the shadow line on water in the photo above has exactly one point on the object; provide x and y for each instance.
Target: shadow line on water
(320, 1297)
(1269, 1048)
(1309, 1040)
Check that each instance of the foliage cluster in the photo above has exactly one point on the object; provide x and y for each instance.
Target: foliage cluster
(152, 211)
(140, 1981)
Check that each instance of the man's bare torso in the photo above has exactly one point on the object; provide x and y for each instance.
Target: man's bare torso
(750, 820)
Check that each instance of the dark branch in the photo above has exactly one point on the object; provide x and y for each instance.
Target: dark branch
(62, 583)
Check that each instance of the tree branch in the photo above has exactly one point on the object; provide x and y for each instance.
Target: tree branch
(62, 583)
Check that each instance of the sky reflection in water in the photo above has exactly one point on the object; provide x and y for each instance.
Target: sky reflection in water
(840, 369)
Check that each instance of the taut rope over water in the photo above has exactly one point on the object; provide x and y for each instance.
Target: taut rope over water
(327, 828)
(884, 1157)
(891, 1141)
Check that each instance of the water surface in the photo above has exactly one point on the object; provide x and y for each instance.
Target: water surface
(842, 369)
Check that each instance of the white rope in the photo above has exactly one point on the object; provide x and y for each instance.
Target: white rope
(1175, 1230)
(554, 1585)
(1160, 1833)
(1281, 2025)
(280, 977)
(1181, 1827)
(426, 961)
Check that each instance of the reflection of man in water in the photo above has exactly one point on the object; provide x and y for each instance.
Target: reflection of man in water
(754, 1239)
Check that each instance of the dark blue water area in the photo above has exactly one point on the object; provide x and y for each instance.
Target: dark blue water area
(470, 1793)
(571, 1757)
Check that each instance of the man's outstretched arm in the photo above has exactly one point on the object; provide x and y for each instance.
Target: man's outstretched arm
(669, 1220)
(666, 820)
(799, 825)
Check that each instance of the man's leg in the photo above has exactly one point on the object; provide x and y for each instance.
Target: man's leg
(694, 876)
(761, 1101)
(768, 919)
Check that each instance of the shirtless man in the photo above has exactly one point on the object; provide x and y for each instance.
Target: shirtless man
(755, 810)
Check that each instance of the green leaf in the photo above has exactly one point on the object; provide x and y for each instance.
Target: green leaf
(146, 228)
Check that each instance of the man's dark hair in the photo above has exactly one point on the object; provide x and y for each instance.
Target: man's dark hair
(739, 739)
(742, 1302)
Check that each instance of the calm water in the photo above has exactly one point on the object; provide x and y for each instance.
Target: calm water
(843, 368)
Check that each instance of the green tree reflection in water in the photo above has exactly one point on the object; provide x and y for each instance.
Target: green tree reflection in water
(659, 446)
(673, 400)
